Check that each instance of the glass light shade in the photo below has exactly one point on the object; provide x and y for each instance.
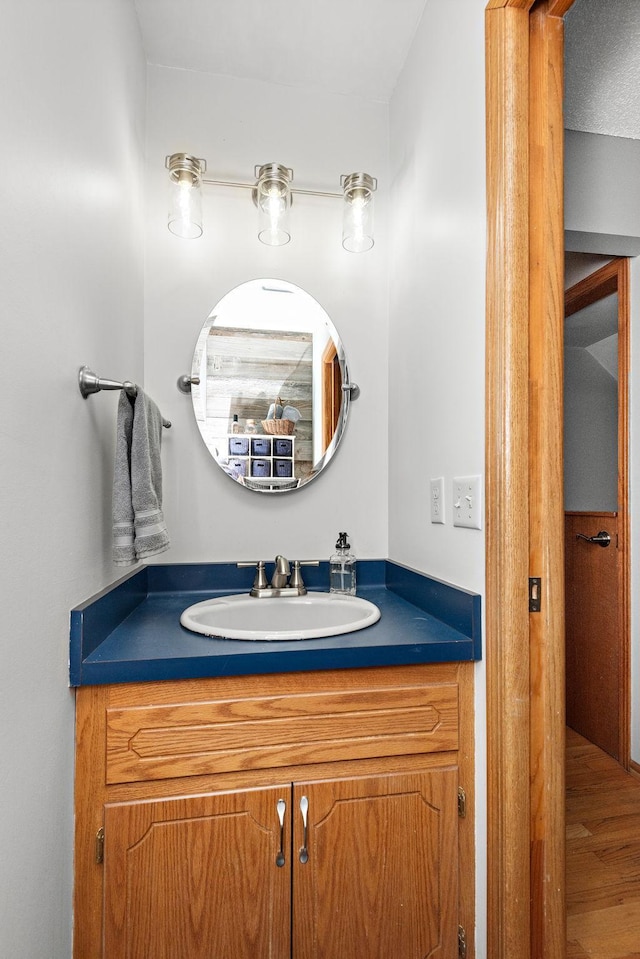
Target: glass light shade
(185, 199)
(185, 208)
(272, 196)
(357, 223)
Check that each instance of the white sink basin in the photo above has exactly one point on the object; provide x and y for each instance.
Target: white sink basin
(276, 618)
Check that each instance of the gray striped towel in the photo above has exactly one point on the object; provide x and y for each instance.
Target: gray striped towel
(139, 528)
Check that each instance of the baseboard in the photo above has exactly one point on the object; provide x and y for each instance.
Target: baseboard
(634, 768)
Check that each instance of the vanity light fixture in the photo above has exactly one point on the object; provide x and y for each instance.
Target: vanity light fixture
(357, 223)
(185, 201)
(272, 194)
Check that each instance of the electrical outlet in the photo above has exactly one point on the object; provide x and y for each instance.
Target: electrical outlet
(437, 500)
(467, 501)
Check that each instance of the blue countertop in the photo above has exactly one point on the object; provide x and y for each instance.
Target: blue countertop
(131, 631)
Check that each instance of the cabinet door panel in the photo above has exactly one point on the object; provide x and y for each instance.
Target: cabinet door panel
(196, 877)
(382, 873)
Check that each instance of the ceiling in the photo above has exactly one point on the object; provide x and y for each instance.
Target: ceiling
(358, 48)
(602, 67)
(351, 47)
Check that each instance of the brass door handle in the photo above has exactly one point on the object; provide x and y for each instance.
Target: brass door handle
(601, 539)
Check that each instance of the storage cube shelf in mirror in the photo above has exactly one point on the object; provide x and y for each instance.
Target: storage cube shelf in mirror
(269, 389)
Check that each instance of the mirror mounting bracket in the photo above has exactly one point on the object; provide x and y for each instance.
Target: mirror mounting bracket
(352, 389)
(185, 383)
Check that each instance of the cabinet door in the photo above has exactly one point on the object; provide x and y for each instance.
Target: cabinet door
(381, 878)
(197, 877)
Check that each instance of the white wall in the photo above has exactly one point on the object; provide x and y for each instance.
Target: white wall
(590, 433)
(436, 348)
(71, 111)
(436, 322)
(601, 193)
(235, 124)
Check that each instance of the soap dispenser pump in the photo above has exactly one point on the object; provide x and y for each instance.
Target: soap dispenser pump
(342, 568)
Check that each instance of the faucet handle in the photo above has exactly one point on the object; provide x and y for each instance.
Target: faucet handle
(260, 581)
(296, 575)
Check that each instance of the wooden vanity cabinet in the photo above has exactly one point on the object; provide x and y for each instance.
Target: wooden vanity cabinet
(196, 877)
(313, 816)
(381, 879)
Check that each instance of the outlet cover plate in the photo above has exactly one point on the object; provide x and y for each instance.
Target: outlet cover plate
(467, 501)
(437, 500)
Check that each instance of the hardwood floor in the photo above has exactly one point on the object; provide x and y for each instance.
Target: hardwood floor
(603, 855)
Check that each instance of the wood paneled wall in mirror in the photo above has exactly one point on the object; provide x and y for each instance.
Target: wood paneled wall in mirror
(261, 400)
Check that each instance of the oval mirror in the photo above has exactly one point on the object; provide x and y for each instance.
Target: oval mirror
(269, 386)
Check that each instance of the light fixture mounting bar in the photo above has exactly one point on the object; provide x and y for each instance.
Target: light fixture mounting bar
(251, 186)
(295, 189)
(233, 183)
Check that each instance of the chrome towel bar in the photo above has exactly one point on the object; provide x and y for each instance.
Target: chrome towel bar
(89, 383)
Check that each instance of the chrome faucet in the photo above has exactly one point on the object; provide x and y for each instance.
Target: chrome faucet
(284, 581)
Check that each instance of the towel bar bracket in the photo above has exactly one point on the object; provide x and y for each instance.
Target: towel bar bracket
(89, 383)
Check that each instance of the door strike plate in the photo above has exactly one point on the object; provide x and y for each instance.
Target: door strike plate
(535, 594)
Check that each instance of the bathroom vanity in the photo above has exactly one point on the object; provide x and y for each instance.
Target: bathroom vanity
(315, 812)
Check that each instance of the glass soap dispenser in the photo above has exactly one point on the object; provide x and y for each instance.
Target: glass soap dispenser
(342, 568)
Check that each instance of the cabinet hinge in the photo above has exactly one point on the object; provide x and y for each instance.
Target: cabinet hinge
(535, 593)
(462, 802)
(462, 942)
(100, 846)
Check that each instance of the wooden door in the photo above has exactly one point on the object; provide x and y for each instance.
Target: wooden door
(381, 879)
(197, 877)
(595, 691)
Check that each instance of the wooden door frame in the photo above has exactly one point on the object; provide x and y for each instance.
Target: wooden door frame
(331, 393)
(524, 508)
(614, 277)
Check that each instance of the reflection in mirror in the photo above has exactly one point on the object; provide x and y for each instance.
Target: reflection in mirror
(270, 402)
